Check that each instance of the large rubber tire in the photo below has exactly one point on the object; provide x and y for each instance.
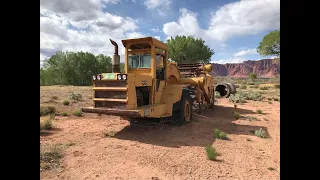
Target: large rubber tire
(185, 114)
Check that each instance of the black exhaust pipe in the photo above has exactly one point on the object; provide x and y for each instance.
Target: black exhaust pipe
(115, 58)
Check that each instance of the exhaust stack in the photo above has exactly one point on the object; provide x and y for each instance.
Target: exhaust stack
(115, 58)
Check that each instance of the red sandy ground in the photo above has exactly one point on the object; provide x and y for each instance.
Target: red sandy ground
(170, 152)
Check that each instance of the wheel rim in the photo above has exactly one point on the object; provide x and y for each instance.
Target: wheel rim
(187, 111)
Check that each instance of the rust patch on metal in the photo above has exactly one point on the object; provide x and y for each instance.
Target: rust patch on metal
(111, 94)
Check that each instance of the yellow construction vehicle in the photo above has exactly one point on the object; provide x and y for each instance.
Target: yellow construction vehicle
(151, 86)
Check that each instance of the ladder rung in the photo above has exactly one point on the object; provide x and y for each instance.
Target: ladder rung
(110, 88)
(110, 100)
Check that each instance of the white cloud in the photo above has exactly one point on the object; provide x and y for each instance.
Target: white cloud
(155, 30)
(245, 17)
(223, 48)
(186, 25)
(67, 25)
(157, 3)
(246, 52)
(112, 1)
(41, 57)
(223, 45)
(133, 35)
(157, 37)
(160, 5)
(230, 61)
(73, 10)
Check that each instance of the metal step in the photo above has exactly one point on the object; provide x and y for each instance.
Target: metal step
(110, 89)
(110, 100)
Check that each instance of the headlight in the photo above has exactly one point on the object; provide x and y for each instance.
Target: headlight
(119, 76)
(94, 77)
(99, 77)
(124, 76)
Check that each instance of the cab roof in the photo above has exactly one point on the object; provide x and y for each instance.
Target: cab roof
(143, 43)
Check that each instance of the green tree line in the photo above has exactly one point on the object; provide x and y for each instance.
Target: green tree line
(73, 68)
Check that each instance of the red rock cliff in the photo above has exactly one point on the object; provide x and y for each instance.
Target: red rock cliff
(263, 68)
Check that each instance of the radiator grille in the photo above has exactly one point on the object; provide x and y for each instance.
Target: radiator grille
(111, 94)
(114, 83)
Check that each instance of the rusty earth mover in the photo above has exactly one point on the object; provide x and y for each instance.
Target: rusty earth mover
(151, 87)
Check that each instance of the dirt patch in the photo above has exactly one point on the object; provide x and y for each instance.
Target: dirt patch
(170, 152)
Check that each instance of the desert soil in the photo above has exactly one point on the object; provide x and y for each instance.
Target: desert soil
(170, 152)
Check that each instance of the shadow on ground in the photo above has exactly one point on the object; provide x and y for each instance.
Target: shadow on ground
(49, 132)
(199, 132)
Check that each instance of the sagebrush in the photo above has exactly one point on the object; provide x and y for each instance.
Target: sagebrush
(46, 110)
(241, 97)
(46, 122)
(76, 97)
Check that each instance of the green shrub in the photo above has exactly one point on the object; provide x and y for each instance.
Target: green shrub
(237, 115)
(255, 86)
(237, 98)
(243, 87)
(54, 97)
(255, 96)
(277, 86)
(76, 97)
(251, 118)
(78, 113)
(264, 87)
(64, 114)
(217, 94)
(259, 111)
(260, 133)
(271, 169)
(66, 102)
(50, 157)
(211, 152)
(46, 122)
(46, 110)
(243, 82)
(220, 135)
(223, 135)
(252, 76)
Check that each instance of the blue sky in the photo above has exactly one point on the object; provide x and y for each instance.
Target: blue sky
(232, 28)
